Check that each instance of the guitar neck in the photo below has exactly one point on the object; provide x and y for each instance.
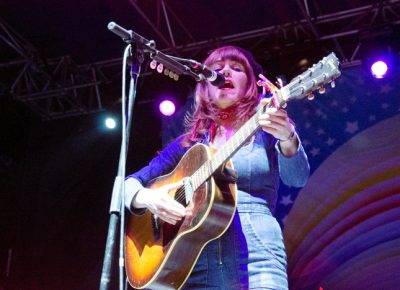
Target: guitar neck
(227, 150)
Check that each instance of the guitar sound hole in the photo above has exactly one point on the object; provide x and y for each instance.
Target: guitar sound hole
(170, 232)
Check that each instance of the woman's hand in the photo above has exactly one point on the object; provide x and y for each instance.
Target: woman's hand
(277, 123)
(160, 203)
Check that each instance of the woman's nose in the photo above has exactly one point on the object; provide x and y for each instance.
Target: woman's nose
(226, 71)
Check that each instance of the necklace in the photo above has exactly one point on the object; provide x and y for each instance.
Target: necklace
(227, 114)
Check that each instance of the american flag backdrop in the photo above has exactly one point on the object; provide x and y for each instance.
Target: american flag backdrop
(342, 230)
(357, 102)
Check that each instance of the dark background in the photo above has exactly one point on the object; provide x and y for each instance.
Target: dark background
(56, 174)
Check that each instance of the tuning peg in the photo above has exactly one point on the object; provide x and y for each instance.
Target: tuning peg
(333, 84)
(321, 90)
(171, 74)
(153, 64)
(310, 96)
(279, 82)
(176, 77)
(160, 68)
(166, 71)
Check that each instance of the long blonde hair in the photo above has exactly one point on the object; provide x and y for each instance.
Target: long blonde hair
(205, 112)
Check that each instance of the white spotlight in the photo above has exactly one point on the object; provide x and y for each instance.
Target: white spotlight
(110, 123)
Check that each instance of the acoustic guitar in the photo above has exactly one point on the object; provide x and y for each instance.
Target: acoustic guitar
(159, 255)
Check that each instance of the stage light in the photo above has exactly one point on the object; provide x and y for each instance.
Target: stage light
(381, 65)
(379, 52)
(167, 108)
(110, 123)
(379, 69)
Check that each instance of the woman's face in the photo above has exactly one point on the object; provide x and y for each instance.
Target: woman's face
(235, 83)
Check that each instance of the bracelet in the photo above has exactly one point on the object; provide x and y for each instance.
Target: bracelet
(291, 137)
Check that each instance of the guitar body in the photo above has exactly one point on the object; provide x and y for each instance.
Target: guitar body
(163, 258)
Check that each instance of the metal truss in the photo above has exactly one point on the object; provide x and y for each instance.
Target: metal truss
(57, 88)
(343, 31)
(52, 88)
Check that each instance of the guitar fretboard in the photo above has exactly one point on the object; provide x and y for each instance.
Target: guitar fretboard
(227, 150)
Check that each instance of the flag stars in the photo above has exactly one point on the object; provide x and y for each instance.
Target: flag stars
(372, 118)
(360, 81)
(385, 106)
(307, 125)
(320, 131)
(330, 141)
(286, 200)
(345, 109)
(353, 99)
(334, 103)
(318, 112)
(385, 89)
(351, 127)
(315, 151)
(306, 142)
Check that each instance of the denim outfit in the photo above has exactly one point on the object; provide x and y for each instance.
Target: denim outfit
(251, 253)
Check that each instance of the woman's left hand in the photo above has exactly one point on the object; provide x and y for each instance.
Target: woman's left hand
(277, 123)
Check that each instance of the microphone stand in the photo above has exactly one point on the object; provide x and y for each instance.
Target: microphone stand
(118, 193)
(117, 206)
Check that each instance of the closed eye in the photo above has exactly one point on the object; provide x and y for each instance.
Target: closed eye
(216, 67)
(238, 68)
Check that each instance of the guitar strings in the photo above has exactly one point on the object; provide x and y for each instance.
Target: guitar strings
(179, 194)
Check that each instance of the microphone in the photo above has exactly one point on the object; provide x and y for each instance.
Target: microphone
(215, 78)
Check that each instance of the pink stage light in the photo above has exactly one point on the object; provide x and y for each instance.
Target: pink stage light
(167, 108)
(379, 69)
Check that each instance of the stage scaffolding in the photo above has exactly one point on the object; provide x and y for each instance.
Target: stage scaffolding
(58, 87)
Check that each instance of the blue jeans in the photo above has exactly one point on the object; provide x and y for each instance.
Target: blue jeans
(250, 255)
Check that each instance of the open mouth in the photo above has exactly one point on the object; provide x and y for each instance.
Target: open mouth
(228, 85)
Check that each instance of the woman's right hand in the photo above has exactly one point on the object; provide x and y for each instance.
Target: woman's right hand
(160, 203)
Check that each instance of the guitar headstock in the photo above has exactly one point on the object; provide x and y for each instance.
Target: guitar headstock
(320, 74)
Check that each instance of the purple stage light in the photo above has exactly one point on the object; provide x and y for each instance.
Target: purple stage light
(167, 108)
(379, 69)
